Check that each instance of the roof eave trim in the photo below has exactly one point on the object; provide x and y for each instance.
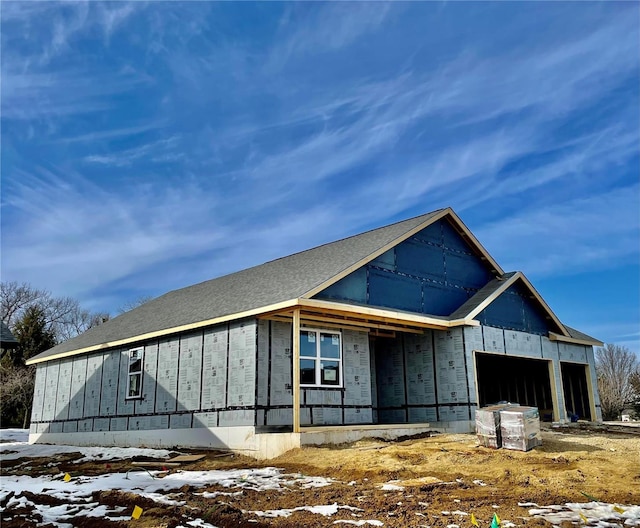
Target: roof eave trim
(409, 318)
(576, 341)
(499, 291)
(442, 214)
(166, 331)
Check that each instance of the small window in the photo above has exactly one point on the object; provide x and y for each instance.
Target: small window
(134, 386)
(320, 358)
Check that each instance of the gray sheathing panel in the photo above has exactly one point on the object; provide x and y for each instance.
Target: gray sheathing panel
(391, 416)
(100, 424)
(38, 392)
(139, 423)
(593, 379)
(190, 372)
(159, 422)
(522, 344)
(422, 414)
(124, 406)
(493, 339)
(205, 419)
(93, 386)
(70, 426)
(390, 376)
(180, 421)
(550, 351)
(241, 389)
(110, 375)
(357, 416)
(472, 341)
(285, 416)
(147, 404)
(42, 427)
(236, 418)
(118, 424)
(451, 374)
(280, 383)
(326, 415)
(55, 427)
(50, 391)
(573, 353)
(453, 413)
(374, 382)
(214, 366)
(357, 370)
(87, 425)
(167, 375)
(78, 380)
(418, 353)
(263, 364)
(64, 389)
(322, 397)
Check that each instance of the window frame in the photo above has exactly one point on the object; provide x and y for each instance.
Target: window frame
(318, 358)
(131, 373)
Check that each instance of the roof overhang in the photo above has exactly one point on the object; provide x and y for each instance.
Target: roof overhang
(357, 317)
(574, 340)
(327, 313)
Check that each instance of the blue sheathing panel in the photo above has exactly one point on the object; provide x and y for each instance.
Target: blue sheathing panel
(433, 272)
(351, 288)
(442, 299)
(465, 271)
(420, 260)
(515, 310)
(394, 291)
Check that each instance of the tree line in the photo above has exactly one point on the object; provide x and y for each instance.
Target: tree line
(38, 320)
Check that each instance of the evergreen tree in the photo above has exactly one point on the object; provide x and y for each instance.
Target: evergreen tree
(33, 335)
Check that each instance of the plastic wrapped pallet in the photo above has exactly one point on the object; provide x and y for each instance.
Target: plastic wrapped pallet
(488, 425)
(520, 428)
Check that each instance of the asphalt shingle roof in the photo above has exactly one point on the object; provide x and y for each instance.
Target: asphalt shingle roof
(480, 296)
(276, 281)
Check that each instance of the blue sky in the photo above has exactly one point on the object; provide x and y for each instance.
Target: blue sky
(149, 146)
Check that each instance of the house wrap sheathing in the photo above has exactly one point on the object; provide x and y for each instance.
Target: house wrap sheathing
(395, 331)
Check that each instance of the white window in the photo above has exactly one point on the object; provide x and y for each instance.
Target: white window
(134, 385)
(320, 358)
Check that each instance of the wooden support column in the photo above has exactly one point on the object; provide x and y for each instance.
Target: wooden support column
(296, 370)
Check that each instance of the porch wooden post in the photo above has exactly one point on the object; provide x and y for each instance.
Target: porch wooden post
(296, 370)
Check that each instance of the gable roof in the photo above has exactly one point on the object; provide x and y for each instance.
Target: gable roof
(271, 286)
(251, 291)
(493, 289)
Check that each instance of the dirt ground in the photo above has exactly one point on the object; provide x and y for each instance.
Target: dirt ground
(441, 476)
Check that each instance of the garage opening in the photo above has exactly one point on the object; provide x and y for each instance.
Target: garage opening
(576, 393)
(520, 380)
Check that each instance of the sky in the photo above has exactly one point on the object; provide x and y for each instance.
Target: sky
(148, 146)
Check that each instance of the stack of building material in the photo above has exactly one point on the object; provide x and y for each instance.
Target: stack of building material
(488, 425)
(520, 428)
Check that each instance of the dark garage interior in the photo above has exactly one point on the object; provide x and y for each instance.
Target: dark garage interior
(576, 394)
(513, 379)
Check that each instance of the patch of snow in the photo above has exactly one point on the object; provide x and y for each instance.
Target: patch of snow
(391, 486)
(326, 510)
(78, 491)
(478, 482)
(16, 449)
(372, 522)
(599, 514)
(458, 512)
(14, 435)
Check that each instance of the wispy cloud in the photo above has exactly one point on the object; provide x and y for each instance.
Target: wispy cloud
(294, 125)
(600, 232)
